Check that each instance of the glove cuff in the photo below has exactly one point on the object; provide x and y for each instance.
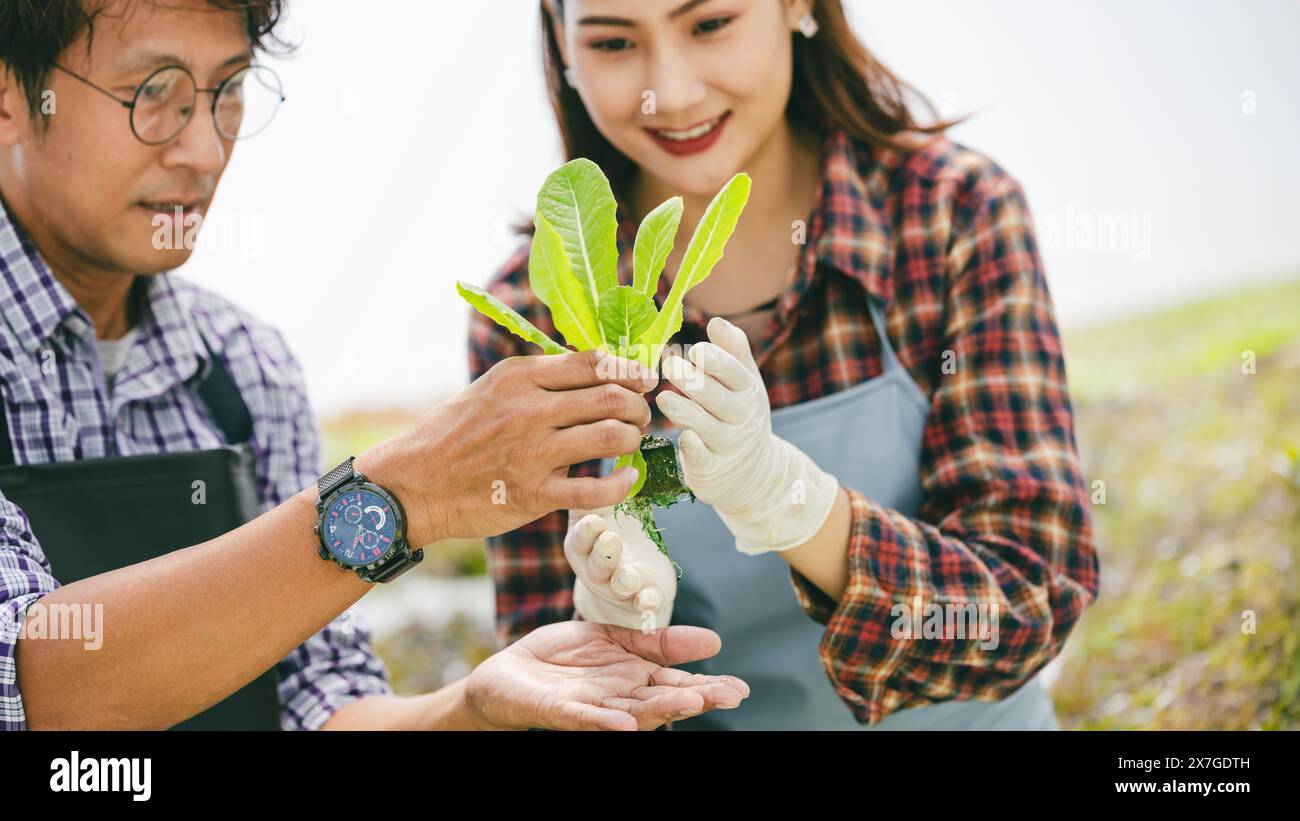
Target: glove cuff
(794, 508)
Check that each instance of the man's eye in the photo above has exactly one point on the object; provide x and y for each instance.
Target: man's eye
(712, 25)
(612, 45)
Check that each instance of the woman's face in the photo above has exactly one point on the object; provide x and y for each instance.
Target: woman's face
(689, 91)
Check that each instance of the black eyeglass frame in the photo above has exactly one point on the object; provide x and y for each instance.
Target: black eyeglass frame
(131, 104)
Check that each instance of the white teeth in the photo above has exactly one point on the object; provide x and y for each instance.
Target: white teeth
(691, 133)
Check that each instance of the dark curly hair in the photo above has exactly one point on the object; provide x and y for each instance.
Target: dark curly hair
(35, 33)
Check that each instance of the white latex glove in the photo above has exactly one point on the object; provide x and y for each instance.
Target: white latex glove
(623, 579)
(770, 494)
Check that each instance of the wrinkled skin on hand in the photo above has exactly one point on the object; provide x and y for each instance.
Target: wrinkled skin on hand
(583, 676)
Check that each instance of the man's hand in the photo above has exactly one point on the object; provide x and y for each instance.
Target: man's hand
(622, 578)
(581, 676)
(498, 455)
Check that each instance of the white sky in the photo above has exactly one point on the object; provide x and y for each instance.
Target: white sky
(416, 132)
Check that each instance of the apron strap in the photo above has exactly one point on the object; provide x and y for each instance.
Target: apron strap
(217, 391)
(886, 348)
(220, 394)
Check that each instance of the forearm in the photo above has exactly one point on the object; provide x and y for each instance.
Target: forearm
(183, 631)
(824, 559)
(1015, 609)
(444, 709)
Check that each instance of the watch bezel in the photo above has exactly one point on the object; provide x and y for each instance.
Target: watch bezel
(359, 482)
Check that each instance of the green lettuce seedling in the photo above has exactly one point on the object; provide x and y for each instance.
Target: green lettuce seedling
(573, 269)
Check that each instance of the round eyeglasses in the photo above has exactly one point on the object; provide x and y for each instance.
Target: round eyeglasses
(242, 106)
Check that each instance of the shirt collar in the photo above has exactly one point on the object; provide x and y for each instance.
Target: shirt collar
(848, 230)
(176, 347)
(35, 304)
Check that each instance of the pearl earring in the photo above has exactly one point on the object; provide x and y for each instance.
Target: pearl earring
(570, 78)
(808, 26)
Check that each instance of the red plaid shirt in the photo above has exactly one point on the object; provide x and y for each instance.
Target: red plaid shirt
(944, 237)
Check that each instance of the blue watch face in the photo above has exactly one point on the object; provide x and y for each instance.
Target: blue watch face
(360, 526)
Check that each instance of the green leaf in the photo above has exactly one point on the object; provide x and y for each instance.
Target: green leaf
(636, 460)
(551, 276)
(625, 314)
(704, 251)
(576, 199)
(505, 316)
(654, 242)
(573, 269)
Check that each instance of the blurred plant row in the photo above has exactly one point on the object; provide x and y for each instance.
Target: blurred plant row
(1201, 524)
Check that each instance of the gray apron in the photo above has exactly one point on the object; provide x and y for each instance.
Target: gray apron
(869, 437)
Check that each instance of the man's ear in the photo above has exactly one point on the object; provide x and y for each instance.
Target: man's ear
(15, 118)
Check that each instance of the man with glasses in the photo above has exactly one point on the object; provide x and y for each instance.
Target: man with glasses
(121, 382)
(242, 105)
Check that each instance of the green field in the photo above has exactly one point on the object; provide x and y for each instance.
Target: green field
(1201, 521)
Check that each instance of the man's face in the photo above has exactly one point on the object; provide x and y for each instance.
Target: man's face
(89, 192)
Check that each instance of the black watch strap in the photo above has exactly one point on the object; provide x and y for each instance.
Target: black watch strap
(396, 566)
(339, 474)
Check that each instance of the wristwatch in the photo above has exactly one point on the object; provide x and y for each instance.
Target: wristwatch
(361, 526)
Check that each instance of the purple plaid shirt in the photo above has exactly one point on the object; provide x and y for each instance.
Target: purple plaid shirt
(59, 409)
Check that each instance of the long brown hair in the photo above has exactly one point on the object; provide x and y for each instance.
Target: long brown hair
(836, 84)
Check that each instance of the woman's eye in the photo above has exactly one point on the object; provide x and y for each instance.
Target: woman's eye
(612, 45)
(712, 25)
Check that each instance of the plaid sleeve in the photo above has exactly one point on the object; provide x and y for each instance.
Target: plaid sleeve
(24, 577)
(1005, 523)
(531, 577)
(337, 664)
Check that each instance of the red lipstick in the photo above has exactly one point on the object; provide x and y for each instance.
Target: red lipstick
(709, 132)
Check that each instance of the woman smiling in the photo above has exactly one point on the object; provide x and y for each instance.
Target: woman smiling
(881, 435)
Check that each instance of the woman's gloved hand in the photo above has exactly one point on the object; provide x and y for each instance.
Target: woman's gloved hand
(770, 495)
(623, 579)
